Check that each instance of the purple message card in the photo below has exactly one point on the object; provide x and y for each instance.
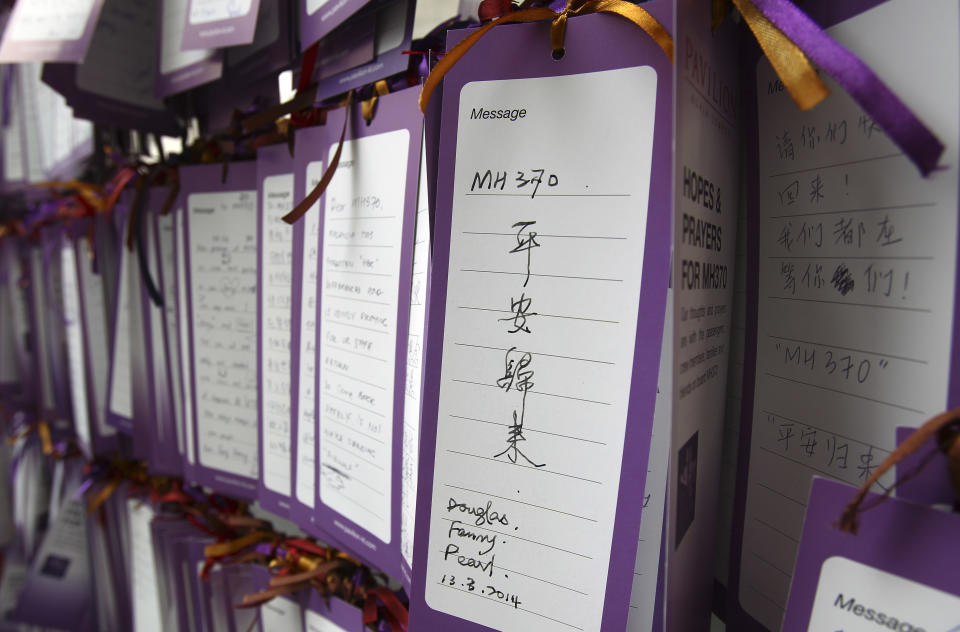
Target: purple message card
(542, 315)
(843, 345)
(274, 294)
(178, 69)
(120, 406)
(320, 17)
(931, 484)
(165, 455)
(51, 31)
(219, 23)
(220, 229)
(366, 234)
(392, 36)
(899, 572)
(308, 168)
(115, 83)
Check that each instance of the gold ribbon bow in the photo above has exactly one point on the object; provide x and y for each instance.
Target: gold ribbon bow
(791, 64)
(558, 31)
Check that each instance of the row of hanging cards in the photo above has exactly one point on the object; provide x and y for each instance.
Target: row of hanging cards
(851, 288)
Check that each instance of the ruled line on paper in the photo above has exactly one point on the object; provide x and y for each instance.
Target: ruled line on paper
(579, 399)
(354, 326)
(849, 304)
(354, 300)
(846, 257)
(359, 432)
(781, 494)
(521, 502)
(535, 274)
(505, 311)
(527, 195)
(529, 429)
(526, 467)
(354, 404)
(837, 164)
(796, 462)
(534, 577)
(353, 479)
(359, 217)
(477, 232)
(870, 209)
(357, 379)
(545, 581)
(839, 392)
(534, 353)
(530, 540)
(569, 625)
(795, 539)
(369, 356)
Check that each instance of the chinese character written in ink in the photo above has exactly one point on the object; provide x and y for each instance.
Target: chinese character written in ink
(885, 236)
(520, 307)
(785, 432)
(786, 237)
(787, 271)
(789, 196)
(816, 190)
(844, 232)
(785, 146)
(838, 453)
(867, 125)
(517, 376)
(866, 466)
(837, 132)
(526, 242)
(808, 438)
(813, 276)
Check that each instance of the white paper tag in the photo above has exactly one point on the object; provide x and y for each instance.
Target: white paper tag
(854, 597)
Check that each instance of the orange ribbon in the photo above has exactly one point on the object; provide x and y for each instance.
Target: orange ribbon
(792, 65)
(558, 31)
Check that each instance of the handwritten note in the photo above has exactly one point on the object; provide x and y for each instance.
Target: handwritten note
(223, 277)
(306, 380)
(544, 280)
(42, 20)
(74, 338)
(183, 315)
(143, 568)
(414, 382)
(203, 11)
(857, 265)
(276, 288)
(121, 381)
(358, 328)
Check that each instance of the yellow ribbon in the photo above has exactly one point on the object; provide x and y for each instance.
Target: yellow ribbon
(105, 492)
(791, 64)
(43, 429)
(369, 107)
(226, 548)
(558, 30)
